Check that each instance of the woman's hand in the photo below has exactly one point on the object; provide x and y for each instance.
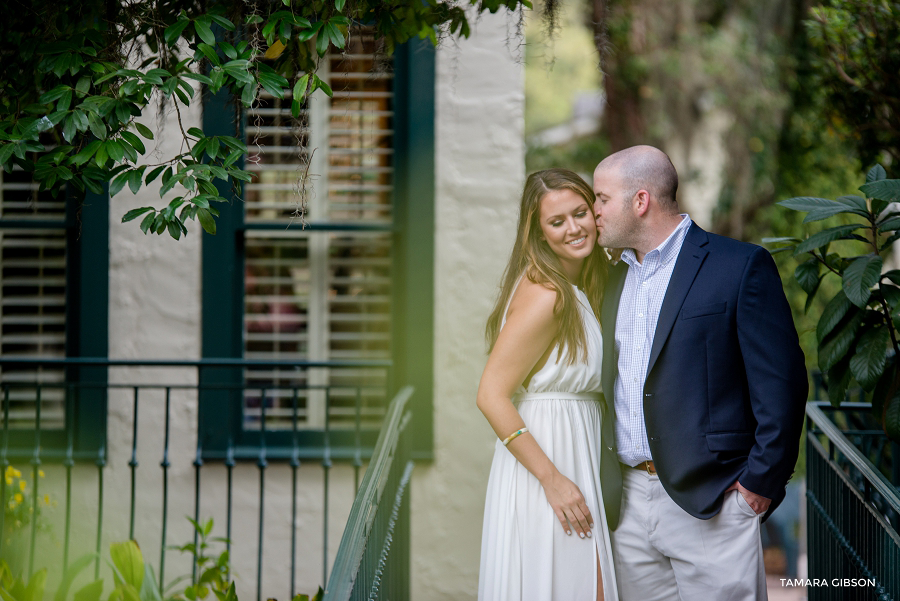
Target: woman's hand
(568, 504)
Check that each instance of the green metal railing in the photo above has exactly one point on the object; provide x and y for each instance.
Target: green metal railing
(853, 510)
(355, 445)
(373, 558)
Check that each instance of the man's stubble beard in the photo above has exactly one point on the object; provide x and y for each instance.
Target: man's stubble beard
(626, 237)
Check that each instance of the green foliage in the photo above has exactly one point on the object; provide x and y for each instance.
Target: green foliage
(856, 46)
(78, 79)
(213, 570)
(857, 332)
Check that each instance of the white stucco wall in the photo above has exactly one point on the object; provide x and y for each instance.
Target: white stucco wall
(480, 172)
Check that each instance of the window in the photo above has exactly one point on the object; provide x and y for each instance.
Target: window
(48, 298)
(352, 285)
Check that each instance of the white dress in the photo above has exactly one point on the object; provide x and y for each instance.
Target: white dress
(525, 554)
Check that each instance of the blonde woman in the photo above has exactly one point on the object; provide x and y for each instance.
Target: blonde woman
(545, 535)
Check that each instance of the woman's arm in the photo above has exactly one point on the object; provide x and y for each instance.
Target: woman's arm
(530, 329)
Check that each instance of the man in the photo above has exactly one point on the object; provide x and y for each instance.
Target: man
(703, 368)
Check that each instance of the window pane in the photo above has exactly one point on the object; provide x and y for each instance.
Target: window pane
(318, 294)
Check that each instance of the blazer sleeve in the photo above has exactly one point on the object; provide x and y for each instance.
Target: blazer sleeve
(776, 376)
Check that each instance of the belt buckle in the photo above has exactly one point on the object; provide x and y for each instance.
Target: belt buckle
(647, 466)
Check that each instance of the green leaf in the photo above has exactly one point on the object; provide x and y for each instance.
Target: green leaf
(334, 34)
(212, 149)
(807, 275)
(876, 173)
(248, 95)
(867, 364)
(74, 568)
(115, 150)
(143, 130)
(806, 204)
(859, 277)
(856, 202)
(893, 275)
(90, 592)
(202, 27)
(891, 295)
(890, 224)
(154, 173)
(886, 189)
(892, 419)
(135, 213)
(54, 94)
(838, 382)
(222, 21)
(339, 5)
(197, 77)
(97, 126)
(780, 240)
(68, 130)
(134, 179)
(102, 155)
(173, 32)
(134, 141)
(826, 236)
(116, 185)
(148, 221)
(207, 221)
(322, 41)
(174, 229)
(129, 562)
(83, 85)
(319, 83)
(210, 53)
(836, 346)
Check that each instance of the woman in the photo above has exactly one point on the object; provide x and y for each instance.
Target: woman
(545, 535)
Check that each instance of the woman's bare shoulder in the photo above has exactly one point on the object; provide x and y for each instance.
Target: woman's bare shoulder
(534, 299)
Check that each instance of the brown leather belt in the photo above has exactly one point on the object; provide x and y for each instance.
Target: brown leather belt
(645, 466)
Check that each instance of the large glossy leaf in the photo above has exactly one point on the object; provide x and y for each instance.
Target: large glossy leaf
(835, 347)
(892, 419)
(886, 189)
(807, 275)
(806, 204)
(856, 202)
(859, 277)
(867, 363)
(875, 174)
(825, 236)
(838, 382)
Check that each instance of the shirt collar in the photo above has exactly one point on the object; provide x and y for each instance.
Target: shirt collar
(669, 248)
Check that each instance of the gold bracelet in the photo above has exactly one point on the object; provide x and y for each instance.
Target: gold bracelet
(507, 440)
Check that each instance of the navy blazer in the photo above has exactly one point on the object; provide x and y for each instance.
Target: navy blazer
(726, 381)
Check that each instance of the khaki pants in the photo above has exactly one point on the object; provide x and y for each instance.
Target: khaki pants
(662, 553)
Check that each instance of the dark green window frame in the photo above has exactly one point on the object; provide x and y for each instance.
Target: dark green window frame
(412, 330)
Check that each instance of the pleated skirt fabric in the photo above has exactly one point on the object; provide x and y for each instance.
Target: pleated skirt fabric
(525, 553)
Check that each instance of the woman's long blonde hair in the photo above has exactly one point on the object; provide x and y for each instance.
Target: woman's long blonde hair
(534, 258)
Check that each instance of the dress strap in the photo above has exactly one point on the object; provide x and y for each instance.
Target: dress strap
(558, 396)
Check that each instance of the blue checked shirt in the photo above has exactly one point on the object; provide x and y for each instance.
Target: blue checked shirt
(639, 305)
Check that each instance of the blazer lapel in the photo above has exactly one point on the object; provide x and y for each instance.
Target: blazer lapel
(690, 258)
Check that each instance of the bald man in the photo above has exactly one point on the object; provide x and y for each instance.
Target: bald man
(703, 368)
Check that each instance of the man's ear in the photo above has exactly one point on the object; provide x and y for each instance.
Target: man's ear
(641, 202)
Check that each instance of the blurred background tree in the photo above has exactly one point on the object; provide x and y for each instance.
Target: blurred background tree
(755, 101)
